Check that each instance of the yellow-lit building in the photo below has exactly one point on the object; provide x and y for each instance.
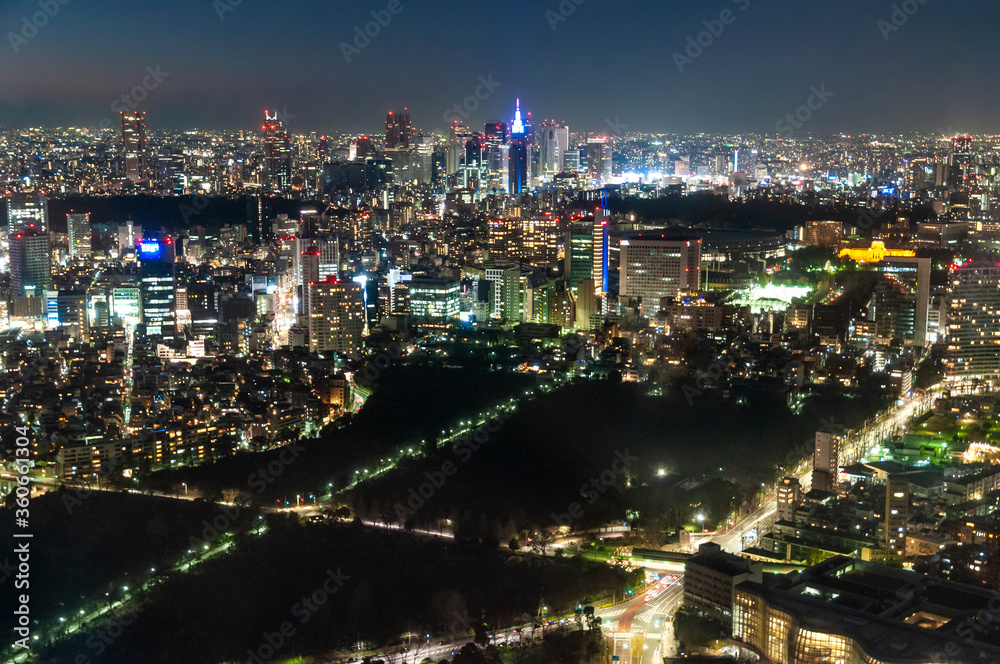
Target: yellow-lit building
(876, 253)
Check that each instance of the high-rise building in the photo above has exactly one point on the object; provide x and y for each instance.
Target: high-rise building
(553, 146)
(72, 308)
(398, 130)
(897, 507)
(579, 253)
(27, 211)
(170, 170)
(823, 233)
(156, 286)
(459, 135)
(134, 145)
(336, 317)
(826, 461)
(129, 235)
(80, 234)
(495, 137)
(789, 496)
(653, 267)
(30, 264)
(599, 160)
(973, 322)
(505, 289)
(277, 175)
(434, 299)
(517, 160)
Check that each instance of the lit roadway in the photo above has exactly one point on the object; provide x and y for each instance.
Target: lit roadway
(652, 615)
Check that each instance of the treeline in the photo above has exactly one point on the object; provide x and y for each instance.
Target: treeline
(377, 585)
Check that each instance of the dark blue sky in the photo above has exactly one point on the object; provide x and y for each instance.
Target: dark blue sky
(606, 60)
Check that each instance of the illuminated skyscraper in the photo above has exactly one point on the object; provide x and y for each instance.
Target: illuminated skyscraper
(29, 212)
(80, 234)
(554, 143)
(973, 322)
(336, 317)
(654, 267)
(277, 154)
(495, 134)
(30, 264)
(826, 461)
(459, 135)
(599, 160)
(398, 130)
(134, 145)
(517, 160)
(156, 263)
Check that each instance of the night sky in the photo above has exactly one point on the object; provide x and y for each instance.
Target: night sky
(606, 60)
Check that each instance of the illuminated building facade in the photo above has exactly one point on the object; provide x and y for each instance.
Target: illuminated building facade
(336, 317)
(80, 234)
(434, 300)
(652, 269)
(518, 163)
(134, 145)
(973, 322)
(27, 212)
(845, 611)
(277, 164)
(826, 461)
(156, 262)
(30, 264)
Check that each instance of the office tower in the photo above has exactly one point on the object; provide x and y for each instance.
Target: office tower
(961, 164)
(571, 160)
(129, 235)
(170, 170)
(711, 577)
(72, 312)
(973, 322)
(579, 253)
(336, 317)
(823, 233)
(458, 136)
(495, 138)
(474, 169)
(30, 264)
(134, 145)
(29, 212)
(562, 308)
(789, 496)
(126, 303)
(602, 245)
(599, 160)
(434, 300)
(914, 277)
(277, 148)
(553, 145)
(652, 269)
(365, 147)
(80, 234)
(517, 159)
(156, 285)
(897, 506)
(505, 289)
(826, 461)
(398, 130)
(585, 300)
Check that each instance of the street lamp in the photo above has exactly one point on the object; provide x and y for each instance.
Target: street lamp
(184, 484)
